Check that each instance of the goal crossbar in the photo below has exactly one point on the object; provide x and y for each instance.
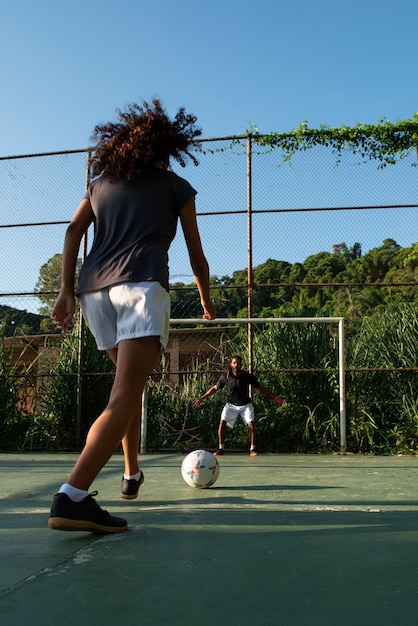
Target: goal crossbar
(281, 320)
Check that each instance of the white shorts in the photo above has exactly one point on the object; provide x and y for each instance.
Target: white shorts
(127, 311)
(230, 413)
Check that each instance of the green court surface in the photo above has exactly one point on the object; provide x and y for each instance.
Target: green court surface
(279, 539)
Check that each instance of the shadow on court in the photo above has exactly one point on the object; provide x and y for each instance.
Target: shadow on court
(280, 540)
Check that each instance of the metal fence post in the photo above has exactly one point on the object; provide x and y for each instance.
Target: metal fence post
(250, 253)
(341, 367)
(81, 332)
(144, 422)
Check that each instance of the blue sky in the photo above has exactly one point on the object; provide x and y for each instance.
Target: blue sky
(273, 63)
(270, 63)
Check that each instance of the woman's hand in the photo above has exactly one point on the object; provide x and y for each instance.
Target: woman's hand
(63, 311)
(209, 311)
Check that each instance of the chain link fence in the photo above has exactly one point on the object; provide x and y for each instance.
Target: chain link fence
(253, 212)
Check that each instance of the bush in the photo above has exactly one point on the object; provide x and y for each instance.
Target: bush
(14, 418)
(382, 403)
(58, 424)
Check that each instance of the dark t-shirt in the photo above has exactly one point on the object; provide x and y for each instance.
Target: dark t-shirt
(135, 223)
(237, 387)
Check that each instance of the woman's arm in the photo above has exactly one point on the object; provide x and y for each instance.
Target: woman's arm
(64, 308)
(198, 260)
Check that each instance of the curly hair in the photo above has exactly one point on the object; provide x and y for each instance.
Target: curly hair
(143, 135)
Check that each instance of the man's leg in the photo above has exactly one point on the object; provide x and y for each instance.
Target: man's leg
(252, 429)
(221, 438)
(221, 433)
(247, 415)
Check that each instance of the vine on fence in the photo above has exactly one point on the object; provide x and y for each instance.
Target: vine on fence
(385, 142)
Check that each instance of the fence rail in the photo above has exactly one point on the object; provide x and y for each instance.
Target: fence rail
(251, 209)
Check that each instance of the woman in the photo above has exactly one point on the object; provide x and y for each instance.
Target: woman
(135, 203)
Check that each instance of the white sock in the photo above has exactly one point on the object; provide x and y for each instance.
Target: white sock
(76, 495)
(221, 446)
(136, 476)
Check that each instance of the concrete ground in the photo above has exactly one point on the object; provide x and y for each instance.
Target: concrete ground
(284, 540)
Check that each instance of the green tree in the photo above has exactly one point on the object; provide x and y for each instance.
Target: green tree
(17, 322)
(298, 292)
(49, 282)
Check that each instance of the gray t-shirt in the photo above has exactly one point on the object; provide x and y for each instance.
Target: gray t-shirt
(135, 223)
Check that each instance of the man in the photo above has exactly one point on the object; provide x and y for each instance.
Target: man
(237, 382)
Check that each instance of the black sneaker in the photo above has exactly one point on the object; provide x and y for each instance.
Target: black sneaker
(85, 515)
(129, 488)
(219, 452)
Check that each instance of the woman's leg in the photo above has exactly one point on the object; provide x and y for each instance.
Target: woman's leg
(130, 445)
(130, 442)
(135, 360)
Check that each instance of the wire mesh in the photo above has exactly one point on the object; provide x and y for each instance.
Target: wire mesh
(305, 213)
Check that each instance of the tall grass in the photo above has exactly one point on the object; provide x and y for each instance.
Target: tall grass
(173, 422)
(57, 415)
(309, 420)
(299, 361)
(14, 419)
(382, 403)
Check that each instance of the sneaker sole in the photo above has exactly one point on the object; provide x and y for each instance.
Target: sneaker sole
(127, 497)
(61, 523)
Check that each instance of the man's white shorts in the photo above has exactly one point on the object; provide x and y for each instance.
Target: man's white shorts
(127, 311)
(230, 413)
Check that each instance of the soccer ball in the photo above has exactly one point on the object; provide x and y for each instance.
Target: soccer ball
(200, 469)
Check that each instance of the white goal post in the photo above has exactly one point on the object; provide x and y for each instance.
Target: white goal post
(274, 320)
